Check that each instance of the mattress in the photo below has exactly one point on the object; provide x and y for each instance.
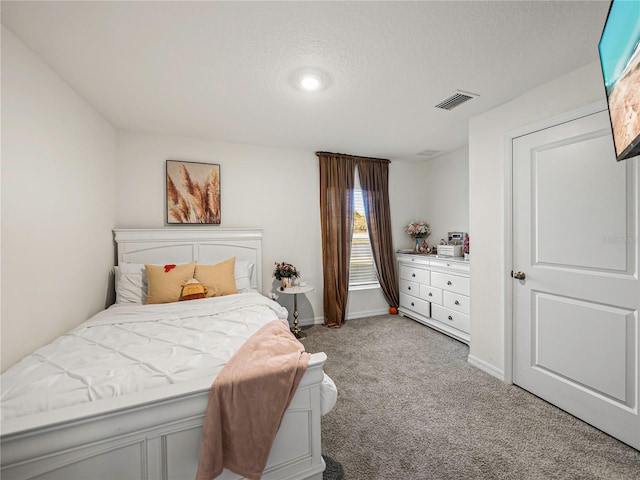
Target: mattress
(130, 348)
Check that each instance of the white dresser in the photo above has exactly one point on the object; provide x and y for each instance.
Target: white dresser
(435, 291)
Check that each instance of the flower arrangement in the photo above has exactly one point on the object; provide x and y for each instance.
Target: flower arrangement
(285, 270)
(419, 229)
(465, 248)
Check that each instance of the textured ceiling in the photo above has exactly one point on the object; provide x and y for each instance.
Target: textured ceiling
(221, 70)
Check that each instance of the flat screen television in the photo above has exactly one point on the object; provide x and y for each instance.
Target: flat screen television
(619, 50)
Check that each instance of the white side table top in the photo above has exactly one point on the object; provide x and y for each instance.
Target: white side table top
(296, 289)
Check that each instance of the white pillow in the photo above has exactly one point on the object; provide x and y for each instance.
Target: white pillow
(242, 273)
(131, 283)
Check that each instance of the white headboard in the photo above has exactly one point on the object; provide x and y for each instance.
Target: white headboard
(200, 244)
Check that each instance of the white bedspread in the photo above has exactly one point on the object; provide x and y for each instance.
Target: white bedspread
(129, 348)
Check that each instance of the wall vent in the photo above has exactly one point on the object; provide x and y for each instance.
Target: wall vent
(456, 99)
(428, 153)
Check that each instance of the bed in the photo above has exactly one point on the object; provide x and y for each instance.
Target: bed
(148, 426)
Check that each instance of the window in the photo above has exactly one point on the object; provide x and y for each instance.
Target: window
(362, 271)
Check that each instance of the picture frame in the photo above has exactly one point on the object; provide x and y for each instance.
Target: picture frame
(192, 193)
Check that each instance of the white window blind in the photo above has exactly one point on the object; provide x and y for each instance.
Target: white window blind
(363, 270)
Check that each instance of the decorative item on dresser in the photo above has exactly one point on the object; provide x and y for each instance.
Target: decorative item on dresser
(419, 232)
(435, 291)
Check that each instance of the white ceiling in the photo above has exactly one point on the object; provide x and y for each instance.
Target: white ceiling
(221, 70)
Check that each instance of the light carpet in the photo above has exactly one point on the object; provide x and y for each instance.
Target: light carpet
(410, 406)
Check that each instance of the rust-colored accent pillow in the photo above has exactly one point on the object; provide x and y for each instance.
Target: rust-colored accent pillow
(165, 284)
(219, 278)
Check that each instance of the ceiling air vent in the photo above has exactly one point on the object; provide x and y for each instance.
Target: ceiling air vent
(428, 153)
(455, 99)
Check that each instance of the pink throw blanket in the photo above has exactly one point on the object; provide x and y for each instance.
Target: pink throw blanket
(248, 400)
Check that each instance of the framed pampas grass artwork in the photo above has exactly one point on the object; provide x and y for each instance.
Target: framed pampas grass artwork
(193, 193)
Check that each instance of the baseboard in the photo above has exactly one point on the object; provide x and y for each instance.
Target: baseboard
(307, 322)
(486, 367)
(370, 313)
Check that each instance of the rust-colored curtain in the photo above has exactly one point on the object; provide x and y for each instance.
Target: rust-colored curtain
(374, 183)
(336, 217)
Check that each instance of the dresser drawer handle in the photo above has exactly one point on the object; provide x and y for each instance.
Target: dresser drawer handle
(430, 294)
(450, 317)
(449, 282)
(457, 302)
(408, 288)
(413, 274)
(413, 304)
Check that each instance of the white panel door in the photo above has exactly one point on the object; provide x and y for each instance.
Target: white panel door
(575, 240)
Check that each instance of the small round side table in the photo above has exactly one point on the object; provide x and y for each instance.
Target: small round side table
(295, 291)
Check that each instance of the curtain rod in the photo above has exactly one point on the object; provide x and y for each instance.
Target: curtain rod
(352, 156)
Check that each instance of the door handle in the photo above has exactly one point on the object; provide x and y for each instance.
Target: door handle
(519, 275)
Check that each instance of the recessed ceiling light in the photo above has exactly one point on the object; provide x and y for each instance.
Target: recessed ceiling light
(310, 82)
(309, 79)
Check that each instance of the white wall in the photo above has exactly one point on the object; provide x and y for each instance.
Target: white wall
(488, 200)
(445, 193)
(274, 189)
(57, 204)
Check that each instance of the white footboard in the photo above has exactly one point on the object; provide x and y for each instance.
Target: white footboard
(153, 435)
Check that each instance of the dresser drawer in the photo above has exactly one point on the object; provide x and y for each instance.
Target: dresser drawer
(415, 274)
(455, 301)
(449, 265)
(449, 317)
(431, 294)
(410, 288)
(416, 305)
(452, 283)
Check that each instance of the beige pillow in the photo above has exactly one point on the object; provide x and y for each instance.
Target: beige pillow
(219, 278)
(165, 284)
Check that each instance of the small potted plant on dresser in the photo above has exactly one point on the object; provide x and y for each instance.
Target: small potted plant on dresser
(465, 248)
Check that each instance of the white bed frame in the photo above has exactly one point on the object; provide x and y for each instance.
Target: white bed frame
(156, 434)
